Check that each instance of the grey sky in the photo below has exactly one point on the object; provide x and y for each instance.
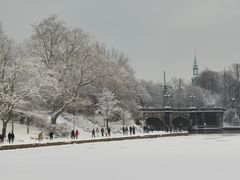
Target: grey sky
(155, 34)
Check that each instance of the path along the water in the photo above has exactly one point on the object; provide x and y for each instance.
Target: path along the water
(5, 146)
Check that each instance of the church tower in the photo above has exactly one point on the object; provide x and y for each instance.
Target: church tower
(195, 70)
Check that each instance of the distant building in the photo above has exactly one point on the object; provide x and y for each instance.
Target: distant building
(195, 70)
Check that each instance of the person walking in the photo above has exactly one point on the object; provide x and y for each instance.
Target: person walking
(102, 131)
(12, 137)
(106, 131)
(40, 136)
(123, 130)
(93, 133)
(126, 130)
(133, 130)
(130, 130)
(9, 138)
(109, 131)
(76, 134)
(72, 134)
(51, 136)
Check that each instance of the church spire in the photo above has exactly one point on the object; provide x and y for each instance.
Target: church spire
(195, 65)
(195, 59)
(195, 68)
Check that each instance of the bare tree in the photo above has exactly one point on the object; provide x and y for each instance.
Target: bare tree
(69, 61)
(16, 79)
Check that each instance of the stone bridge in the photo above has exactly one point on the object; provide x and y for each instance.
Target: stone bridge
(191, 119)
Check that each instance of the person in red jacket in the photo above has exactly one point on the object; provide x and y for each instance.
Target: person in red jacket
(77, 134)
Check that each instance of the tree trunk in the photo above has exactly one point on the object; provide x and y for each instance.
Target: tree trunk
(4, 129)
(56, 114)
(54, 118)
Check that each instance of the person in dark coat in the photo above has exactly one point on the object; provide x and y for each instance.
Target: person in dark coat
(93, 133)
(102, 131)
(109, 131)
(51, 135)
(72, 134)
(126, 130)
(123, 130)
(9, 138)
(130, 130)
(12, 137)
(133, 130)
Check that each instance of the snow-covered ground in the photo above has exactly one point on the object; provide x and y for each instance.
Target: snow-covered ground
(82, 123)
(190, 157)
(84, 127)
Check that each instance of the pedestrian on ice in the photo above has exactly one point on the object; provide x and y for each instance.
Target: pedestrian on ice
(76, 134)
(9, 138)
(126, 130)
(51, 135)
(40, 136)
(133, 130)
(130, 130)
(102, 131)
(109, 131)
(72, 134)
(93, 133)
(106, 131)
(123, 130)
(12, 137)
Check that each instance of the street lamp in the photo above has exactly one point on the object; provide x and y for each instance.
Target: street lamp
(233, 102)
(167, 96)
(107, 118)
(74, 123)
(192, 97)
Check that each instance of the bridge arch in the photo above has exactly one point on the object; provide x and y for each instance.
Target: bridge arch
(181, 122)
(155, 123)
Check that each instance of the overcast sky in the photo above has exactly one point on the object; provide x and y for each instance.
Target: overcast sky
(154, 34)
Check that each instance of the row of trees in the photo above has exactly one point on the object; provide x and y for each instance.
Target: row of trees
(211, 89)
(225, 84)
(61, 69)
(179, 94)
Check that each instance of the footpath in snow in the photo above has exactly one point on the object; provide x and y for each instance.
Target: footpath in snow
(67, 141)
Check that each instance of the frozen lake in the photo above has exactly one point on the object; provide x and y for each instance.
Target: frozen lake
(192, 157)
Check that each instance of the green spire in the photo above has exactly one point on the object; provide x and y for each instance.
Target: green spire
(195, 69)
(195, 65)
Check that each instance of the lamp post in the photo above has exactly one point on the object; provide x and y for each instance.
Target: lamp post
(167, 96)
(107, 118)
(233, 102)
(192, 97)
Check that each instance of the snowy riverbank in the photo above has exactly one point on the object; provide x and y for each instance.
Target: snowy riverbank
(65, 141)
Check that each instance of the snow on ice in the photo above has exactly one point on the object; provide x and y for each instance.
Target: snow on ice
(192, 157)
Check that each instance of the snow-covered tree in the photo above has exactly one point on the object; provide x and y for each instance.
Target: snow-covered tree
(107, 104)
(68, 60)
(17, 77)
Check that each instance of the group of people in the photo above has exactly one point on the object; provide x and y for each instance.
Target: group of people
(104, 132)
(11, 137)
(75, 134)
(178, 128)
(40, 136)
(131, 130)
